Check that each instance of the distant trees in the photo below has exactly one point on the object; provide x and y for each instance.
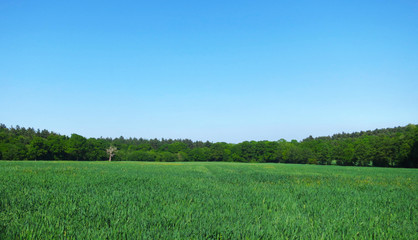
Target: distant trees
(77, 147)
(38, 149)
(391, 147)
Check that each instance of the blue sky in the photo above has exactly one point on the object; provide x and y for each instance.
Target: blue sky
(208, 70)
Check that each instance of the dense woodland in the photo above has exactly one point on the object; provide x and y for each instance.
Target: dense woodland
(390, 147)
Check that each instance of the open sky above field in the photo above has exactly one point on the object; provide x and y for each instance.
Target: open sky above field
(208, 70)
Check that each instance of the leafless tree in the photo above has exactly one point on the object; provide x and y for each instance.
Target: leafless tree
(111, 151)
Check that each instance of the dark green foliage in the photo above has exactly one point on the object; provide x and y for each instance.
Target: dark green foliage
(38, 148)
(96, 149)
(391, 147)
(199, 154)
(166, 157)
(77, 147)
(57, 147)
(143, 200)
(149, 156)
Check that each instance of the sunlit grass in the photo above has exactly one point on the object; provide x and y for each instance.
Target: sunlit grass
(98, 200)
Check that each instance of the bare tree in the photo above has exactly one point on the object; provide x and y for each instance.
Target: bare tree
(111, 151)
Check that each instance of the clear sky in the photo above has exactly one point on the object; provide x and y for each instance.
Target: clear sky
(208, 70)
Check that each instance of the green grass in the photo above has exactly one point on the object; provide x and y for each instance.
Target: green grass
(137, 200)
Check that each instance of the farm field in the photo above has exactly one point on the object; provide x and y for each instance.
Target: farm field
(144, 200)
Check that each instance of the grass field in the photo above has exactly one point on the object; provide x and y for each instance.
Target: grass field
(137, 200)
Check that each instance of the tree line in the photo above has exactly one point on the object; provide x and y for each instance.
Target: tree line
(389, 147)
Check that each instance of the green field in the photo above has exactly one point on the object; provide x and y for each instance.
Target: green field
(118, 200)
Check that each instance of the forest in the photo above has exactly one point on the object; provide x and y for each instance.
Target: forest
(389, 147)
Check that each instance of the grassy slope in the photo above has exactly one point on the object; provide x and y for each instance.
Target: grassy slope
(93, 200)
